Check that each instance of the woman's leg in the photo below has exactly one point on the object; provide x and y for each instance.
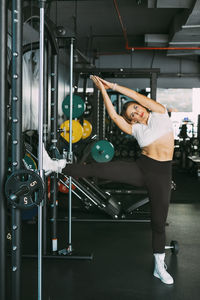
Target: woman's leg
(159, 199)
(159, 194)
(124, 172)
(158, 182)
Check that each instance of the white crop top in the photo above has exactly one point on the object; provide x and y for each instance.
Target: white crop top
(157, 126)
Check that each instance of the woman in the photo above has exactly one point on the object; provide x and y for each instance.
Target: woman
(149, 123)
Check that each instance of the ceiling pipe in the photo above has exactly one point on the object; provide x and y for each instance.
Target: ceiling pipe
(132, 48)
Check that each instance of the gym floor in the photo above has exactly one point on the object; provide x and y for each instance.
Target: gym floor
(122, 262)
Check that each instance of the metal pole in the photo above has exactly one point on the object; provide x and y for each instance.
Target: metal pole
(16, 107)
(3, 144)
(70, 145)
(45, 128)
(40, 139)
(153, 82)
(70, 155)
(54, 135)
(102, 113)
(95, 112)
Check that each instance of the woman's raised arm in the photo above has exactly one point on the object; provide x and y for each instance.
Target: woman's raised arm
(117, 119)
(141, 99)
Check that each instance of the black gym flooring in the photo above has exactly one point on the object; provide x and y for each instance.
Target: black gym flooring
(122, 262)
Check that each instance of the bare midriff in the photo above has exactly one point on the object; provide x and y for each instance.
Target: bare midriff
(162, 149)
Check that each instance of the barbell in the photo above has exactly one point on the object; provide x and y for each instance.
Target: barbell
(174, 246)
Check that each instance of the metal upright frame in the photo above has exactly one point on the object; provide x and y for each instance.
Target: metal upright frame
(153, 85)
(53, 47)
(16, 107)
(40, 143)
(54, 140)
(70, 155)
(98, 116)
(45, 137)
(69, 252)
(3, 143)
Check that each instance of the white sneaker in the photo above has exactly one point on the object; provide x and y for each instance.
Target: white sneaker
(52, 165)
(160, 269)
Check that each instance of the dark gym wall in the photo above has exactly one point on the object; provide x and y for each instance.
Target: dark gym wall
(170, 67)
(95, 35)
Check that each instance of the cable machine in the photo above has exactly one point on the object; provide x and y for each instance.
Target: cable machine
(25, 188)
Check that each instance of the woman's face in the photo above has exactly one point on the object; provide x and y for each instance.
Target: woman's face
(137, 113)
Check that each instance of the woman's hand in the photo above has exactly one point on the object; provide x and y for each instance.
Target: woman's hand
(106, 84)
(97, 82)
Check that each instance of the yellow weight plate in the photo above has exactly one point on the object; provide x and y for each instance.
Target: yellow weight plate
(77, 131)
(87, 129)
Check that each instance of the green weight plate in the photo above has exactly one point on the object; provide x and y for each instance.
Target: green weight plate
(29, 162)
(102, 151)
(78, 106)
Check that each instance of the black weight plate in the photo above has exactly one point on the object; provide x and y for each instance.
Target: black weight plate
(24, 189)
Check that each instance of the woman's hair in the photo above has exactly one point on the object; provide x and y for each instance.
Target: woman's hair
(124, 110)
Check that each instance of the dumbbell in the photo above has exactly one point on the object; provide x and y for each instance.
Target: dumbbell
(174, 246)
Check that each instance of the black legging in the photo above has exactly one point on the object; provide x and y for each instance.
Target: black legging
(154, 175)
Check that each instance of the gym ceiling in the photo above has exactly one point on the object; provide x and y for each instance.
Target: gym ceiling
(122, 26)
